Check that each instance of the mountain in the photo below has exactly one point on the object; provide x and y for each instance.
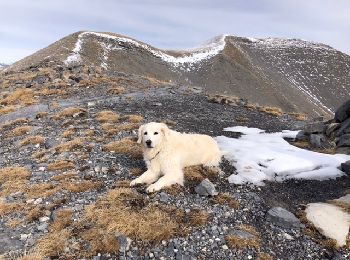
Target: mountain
(3, 65)
(296, 75)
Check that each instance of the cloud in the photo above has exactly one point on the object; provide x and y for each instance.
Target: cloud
(31, 25)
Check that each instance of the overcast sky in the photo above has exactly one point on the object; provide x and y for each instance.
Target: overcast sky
(27, 26)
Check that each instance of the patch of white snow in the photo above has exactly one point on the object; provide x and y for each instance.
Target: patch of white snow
(260, 157)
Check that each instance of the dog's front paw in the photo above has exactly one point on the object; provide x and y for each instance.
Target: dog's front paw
(153, 188)
(135, 182)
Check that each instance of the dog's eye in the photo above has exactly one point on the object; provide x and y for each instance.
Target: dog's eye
(155, 133)
(145, 133)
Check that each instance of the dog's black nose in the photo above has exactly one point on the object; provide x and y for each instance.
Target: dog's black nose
(148, 142)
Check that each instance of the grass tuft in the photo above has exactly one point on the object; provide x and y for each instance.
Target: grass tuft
(107, 116)
(124, 146)
(60, 165)
(35, 139)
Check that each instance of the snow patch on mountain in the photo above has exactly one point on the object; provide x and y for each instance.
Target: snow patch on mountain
(191, 56)
(260, 157)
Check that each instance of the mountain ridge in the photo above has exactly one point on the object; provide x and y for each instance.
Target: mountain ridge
(296, 75)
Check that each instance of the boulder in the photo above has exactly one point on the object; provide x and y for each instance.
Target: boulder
(206, 188)
(345, 167)
(301, 136)
(344, 140)
(315, 128)
(283, 218)
(343, 112)
(320, 141)
(344, 127)
(331, 128)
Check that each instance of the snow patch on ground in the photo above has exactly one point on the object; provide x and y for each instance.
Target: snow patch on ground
(260, 157)
(194, 55)
(330, 220)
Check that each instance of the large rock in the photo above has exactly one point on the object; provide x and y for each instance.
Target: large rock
(283, 218)
(345, 167)
(206, 188)
(314, 128)
(331, 128)
(344, 140)
(320, 141)
(330, 220)
(344, 127)
(343, 112)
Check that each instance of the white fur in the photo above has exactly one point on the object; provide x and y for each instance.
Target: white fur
(170, 152)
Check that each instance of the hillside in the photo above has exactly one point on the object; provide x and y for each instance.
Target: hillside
(295, 75)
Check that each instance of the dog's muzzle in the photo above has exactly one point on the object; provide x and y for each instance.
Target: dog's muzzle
(149, 143)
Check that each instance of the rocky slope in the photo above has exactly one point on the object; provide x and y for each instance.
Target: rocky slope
(68, 153)
(295, 75)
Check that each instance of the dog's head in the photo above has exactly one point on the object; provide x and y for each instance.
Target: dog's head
(151, 135)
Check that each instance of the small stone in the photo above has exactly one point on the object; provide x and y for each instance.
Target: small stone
(44, 219)
(24, 237)
(224, 247)
(91, 104)
(283, 218)
(124, 242)
(287, 236)
(38, 201)
(42, 168)
(157, 104)
(42, 227)
(151, 255)
(206, 188)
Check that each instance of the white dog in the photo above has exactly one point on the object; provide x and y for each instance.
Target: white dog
(166, 152)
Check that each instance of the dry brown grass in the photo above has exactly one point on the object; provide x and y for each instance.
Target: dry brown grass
(49, 92)
(60, 165)
(136, 171)
(301, 144)
(112, 129)
(250, 106)
(133, 118)
(236, 242)
(31, 256)
(89, 132)
(264, 256)
(125, 211)
(19, 96)
(42, 190)
(13, 173)
(194, 174)
(20, 130)
(7, 109)
(40, 156)
(242, 119)
(81, 186)
(13, 223)
(69, 146)
(69, 133)
(63, 219)
(52, 244)
(13, 179)
(225, 199)
(18, 121)
(198, 217)
(70, 112)
(35, 213)
(65, 176)
(35, 139)
(274, 111)
(7, 208)
(107, 116)
(100, 241)
(298, 116)
(125, 146)
(41, 115)
(116, 90)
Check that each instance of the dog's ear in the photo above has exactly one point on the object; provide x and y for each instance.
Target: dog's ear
(164, 129)
(139, 140)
